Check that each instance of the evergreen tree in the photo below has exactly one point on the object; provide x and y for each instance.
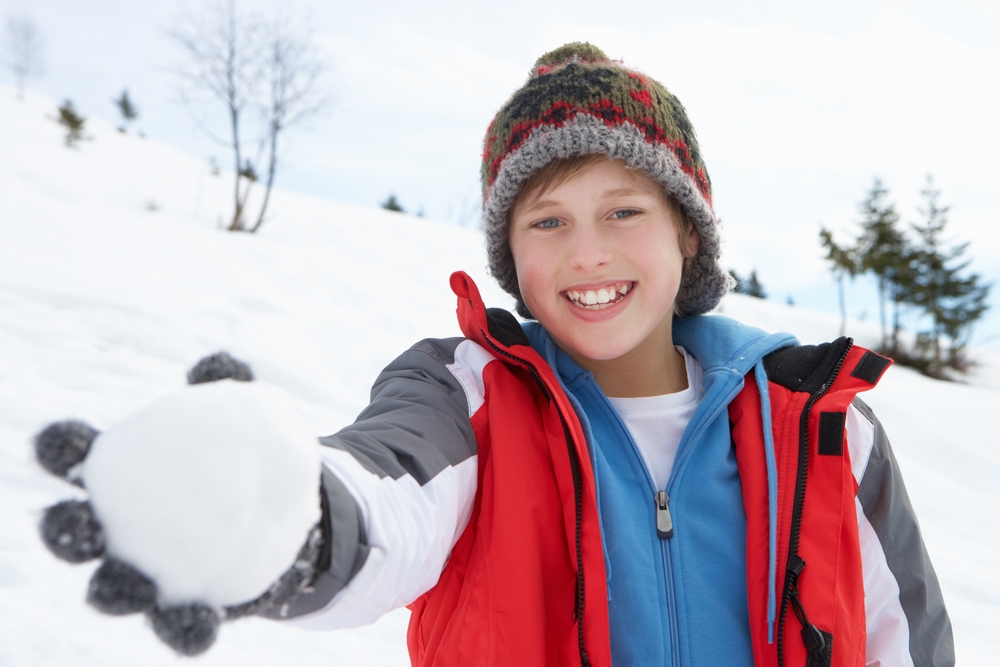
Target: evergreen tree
(754, 286)
(736, 279)
(391, 204)
(248, 172)
(72, 121)
(881, 250)
(128, 110)
(951, 299)
(844, 262)
(751, 286)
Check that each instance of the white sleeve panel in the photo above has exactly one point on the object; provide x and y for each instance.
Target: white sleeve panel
(886, 624)
(410, 530)
(470, 360)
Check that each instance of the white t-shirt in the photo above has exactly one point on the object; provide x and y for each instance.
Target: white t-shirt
(657, 422)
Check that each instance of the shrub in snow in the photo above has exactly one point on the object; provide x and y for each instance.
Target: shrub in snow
(127, 109)
(199, 504)
(72, 121)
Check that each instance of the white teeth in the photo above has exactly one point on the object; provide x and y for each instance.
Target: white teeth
(602, 296)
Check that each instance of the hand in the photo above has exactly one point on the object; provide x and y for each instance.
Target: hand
(199, 504)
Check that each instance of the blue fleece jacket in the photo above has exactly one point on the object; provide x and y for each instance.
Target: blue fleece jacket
(680, 601)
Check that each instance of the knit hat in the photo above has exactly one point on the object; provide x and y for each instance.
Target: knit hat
(577, 101)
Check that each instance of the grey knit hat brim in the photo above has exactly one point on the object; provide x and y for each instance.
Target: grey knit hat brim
(704, 282)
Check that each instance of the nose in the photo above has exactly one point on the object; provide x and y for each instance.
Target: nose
(589, 249)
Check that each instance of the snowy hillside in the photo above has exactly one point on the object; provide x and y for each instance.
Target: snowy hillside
(115, 278)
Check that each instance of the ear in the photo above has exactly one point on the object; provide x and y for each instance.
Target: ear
(690, 241)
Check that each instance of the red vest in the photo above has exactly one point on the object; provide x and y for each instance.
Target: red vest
(525, 585)
(829, 586)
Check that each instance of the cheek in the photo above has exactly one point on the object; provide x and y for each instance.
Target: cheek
(529, 264)
(658, 250)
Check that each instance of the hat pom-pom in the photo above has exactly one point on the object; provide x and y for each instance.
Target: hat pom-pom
(574, 52)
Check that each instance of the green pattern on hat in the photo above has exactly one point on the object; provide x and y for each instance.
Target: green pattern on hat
(577, 101)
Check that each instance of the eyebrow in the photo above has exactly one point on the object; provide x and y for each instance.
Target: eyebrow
(607, 194)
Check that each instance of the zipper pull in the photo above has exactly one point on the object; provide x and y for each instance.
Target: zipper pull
(795, 567)
(812, 637)
(664, 524)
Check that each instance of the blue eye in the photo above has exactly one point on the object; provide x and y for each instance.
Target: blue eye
(624, 213)
(548, 223)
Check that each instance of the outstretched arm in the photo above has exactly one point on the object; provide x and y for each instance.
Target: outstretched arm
(215, 503)
(400, 482)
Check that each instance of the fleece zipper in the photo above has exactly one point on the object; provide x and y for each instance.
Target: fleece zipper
(668, 573)
(662, 496)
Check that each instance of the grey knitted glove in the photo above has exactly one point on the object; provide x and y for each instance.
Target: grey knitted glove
(221, 471)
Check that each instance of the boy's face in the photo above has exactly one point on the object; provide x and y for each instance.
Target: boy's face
(599, 261)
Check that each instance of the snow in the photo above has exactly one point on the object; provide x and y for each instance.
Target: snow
(228, 473)
(115, 278)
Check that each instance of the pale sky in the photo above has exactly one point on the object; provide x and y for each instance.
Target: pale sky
(796, 109)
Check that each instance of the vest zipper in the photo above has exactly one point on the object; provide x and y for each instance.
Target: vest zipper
(574, 462)
(795, 564)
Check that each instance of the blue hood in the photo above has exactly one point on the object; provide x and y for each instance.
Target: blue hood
(717, 342)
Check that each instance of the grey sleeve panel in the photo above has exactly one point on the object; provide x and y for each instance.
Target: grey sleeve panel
(418, 420)
(416, 424)
(346, 549)
(887, 506)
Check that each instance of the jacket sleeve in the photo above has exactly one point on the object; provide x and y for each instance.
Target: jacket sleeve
(907, 623)
(398, 486)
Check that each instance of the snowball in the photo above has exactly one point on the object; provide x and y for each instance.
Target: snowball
(210, 492)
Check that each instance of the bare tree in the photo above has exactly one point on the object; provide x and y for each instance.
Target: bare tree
(23, 46)
(292, 69)
(843, 262)
(265, 73)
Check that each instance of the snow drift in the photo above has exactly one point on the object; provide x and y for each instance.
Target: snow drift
(115, 277)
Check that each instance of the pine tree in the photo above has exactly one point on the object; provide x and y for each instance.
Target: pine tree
(751, 285)
(391, 204)
(881, 250)
(128, 110)
(951, 299)
(737, 280)
(72, 121)
(754, 287)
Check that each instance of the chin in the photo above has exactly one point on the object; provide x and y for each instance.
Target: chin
(597, 349)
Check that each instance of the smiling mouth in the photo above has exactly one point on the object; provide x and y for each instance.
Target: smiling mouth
(599, 299)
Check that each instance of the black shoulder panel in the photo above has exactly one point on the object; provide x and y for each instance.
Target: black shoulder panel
(805, 367)
(504, 328)
(870, 367)
(831, 433)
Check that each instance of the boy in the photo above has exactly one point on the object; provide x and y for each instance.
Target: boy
(622, 481)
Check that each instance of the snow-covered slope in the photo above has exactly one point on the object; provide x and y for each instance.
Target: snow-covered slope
(115, 278)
